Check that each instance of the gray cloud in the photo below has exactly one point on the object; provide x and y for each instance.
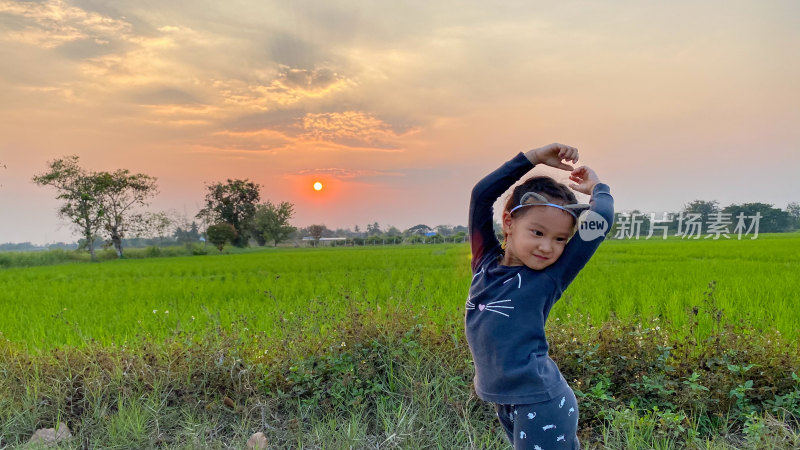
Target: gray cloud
(88, 48)
(347, 128)
(164, 96)
(309, 80)
(292, 50)
(276, 120)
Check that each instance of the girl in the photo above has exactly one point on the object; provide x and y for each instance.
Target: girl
(515, 285)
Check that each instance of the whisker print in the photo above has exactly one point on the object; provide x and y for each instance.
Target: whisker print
(479, 273)
(498, 312)
(499, 301)
(495, 306)
(519, 280)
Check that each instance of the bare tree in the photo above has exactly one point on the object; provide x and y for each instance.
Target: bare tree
(153, 225)
(316, 232)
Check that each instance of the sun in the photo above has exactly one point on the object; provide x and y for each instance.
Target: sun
(317, 186)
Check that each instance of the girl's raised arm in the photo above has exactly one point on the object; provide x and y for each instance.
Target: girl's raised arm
(482, 238)
(593, 229)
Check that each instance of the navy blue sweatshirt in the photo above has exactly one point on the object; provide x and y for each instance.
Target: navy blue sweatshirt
(508, 306)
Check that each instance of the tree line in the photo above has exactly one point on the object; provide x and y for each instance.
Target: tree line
(105, 208)
(771, 219)
(372, 234)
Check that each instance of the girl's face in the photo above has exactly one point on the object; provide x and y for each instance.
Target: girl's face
(536, 236)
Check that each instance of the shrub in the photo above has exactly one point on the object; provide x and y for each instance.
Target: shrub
(221, 233)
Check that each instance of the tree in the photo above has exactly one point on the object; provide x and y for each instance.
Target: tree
(772, 220)
(219, 234)
(119, 192)
(704, 208)
(793, 209)
(316, 232)
(393, 231)
(373, 229)
(418, 229)
(444, 230)
(271, 222)
(78, 188)
(234, 203)
(188, 235)
(151, 225)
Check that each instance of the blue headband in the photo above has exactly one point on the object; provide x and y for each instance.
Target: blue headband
(534, 199)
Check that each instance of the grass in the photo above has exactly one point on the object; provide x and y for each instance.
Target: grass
(396, 383)
(755, 282)
(364, 348)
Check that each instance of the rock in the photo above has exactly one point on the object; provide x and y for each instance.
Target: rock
(257, 441)
(228, 402)
(50, 435)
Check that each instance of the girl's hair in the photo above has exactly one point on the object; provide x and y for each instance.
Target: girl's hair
(554, 191)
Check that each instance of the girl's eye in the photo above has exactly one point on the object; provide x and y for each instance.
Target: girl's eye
(561, 239)
(537, 232)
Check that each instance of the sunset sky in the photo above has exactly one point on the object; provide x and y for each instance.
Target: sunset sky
(398, 108)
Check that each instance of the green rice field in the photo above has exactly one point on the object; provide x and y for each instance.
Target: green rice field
(668, 344)
(275, 289)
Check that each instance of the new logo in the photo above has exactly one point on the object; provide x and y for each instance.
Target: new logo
(592, 225)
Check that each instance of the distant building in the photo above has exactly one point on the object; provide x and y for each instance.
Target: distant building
(325, 239)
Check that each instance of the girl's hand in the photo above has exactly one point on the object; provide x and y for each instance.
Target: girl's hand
(584, 180)
(553, 154)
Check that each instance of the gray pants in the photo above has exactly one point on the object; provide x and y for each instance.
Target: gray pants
(542, 426)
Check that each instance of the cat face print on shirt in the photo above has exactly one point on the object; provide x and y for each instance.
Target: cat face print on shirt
(502, 307)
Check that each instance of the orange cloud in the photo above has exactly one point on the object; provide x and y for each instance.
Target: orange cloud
(290, 86)
(350, 127)
(348, 131)
(340, 173)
